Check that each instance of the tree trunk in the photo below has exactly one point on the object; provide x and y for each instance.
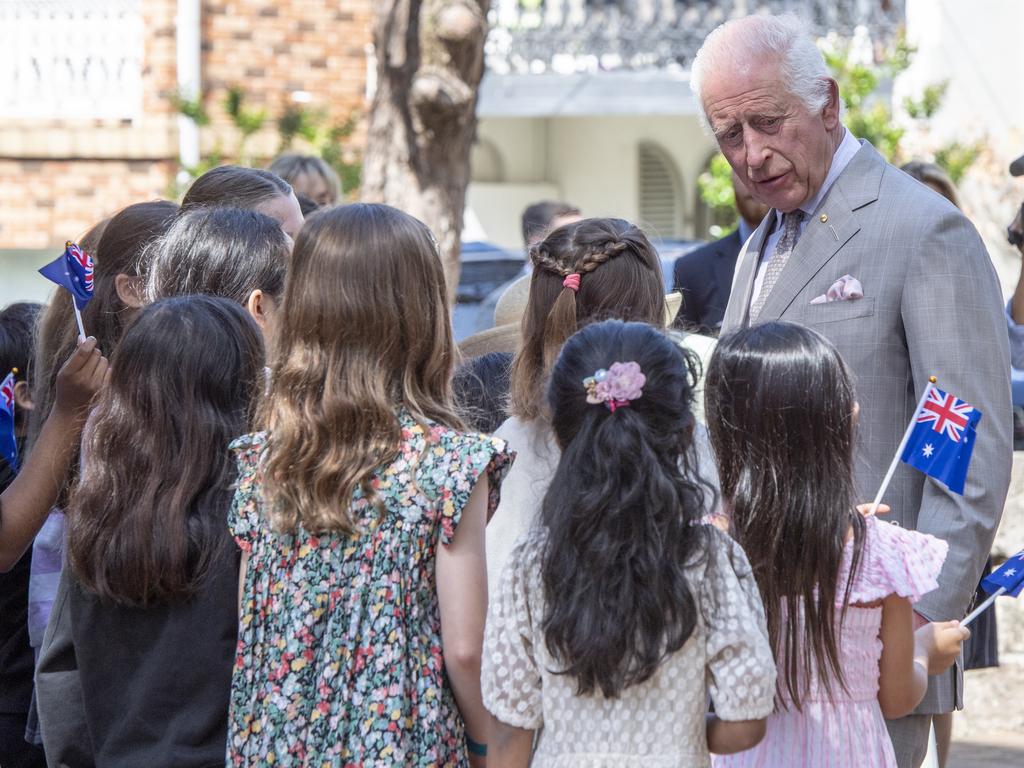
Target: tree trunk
(423, 118)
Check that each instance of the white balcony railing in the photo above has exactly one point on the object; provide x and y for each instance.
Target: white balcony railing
(566, 36)
(71, 59)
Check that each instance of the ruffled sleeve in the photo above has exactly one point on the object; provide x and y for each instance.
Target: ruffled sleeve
(740, 666)
(243, 517)
(458, 462)
(510, 678)
(897, 561)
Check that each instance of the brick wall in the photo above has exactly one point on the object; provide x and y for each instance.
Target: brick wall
(273, 48)
(59, 176)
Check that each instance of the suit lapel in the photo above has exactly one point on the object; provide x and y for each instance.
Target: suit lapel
(743, 283)
(856, 187)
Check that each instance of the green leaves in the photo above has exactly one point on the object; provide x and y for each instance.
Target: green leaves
(296, 123)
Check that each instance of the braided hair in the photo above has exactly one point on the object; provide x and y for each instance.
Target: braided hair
(590, 270)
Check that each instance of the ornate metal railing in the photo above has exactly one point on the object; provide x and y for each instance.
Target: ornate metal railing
(71, 58)
(534, 36)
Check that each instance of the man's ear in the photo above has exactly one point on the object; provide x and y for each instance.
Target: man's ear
(129, 290)
(830, 112)
(23, 396)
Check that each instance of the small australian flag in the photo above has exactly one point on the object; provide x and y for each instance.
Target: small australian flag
(8, 440)
(1009, 576)
(942, 440)
(72, 270)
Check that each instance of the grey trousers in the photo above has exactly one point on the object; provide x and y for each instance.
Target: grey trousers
(910, 739)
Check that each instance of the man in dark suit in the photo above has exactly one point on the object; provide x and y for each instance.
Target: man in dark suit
(704, 276)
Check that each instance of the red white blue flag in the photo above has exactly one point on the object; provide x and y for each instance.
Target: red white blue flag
(1009, 576)
(942, 440)
(72, 270)
(8, 440)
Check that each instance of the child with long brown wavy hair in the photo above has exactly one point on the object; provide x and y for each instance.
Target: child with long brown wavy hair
(361, 512)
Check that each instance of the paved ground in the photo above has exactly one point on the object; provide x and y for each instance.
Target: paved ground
(996, 751)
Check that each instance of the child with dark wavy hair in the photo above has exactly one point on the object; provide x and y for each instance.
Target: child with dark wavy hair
(618, 615)
(837, 587)
(153, 600)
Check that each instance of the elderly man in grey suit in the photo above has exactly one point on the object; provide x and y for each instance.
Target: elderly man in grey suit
(914, 294)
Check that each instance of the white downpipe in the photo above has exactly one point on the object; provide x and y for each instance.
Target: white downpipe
(188, 57)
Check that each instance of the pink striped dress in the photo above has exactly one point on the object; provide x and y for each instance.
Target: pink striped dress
(848, 730)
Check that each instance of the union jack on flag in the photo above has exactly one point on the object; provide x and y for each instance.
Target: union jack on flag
(942, 439)
(72, 270)
(84, 262)
(8, 440)
(946, 413)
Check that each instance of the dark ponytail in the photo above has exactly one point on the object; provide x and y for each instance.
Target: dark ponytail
(621, 512)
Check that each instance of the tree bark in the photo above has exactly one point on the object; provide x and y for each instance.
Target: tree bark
(423, 118)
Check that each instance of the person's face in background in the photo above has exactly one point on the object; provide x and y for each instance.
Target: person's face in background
(555, 223)
(750, 208)
(313, 186)
(285, 209)
(1015, 232)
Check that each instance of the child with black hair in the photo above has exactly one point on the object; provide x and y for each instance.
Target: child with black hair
(152, 568)
(25, 500)
(481, 390)
(17, 332)
(617, 617)
(837, 587)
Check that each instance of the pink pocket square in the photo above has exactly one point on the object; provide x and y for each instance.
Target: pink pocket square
(846, 288)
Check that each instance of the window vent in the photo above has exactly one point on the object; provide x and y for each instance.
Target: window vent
(659, 193)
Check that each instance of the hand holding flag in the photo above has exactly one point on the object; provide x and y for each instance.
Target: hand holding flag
(73, 270)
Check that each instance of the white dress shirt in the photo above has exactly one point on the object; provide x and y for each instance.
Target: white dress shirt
(844, 153)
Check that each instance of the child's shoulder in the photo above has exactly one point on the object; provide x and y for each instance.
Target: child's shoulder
(723, 557)
(248, 446)
(895, 560)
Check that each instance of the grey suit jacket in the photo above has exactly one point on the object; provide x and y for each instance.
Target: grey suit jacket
(932, 306)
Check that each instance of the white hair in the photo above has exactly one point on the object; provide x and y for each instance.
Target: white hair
(756, 38)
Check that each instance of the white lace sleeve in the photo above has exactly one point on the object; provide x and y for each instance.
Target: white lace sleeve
(510, 677)
(740, 665)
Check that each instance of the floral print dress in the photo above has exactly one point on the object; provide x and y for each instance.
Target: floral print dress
(339, 658)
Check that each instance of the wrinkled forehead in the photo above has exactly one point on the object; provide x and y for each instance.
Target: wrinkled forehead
(744, 88)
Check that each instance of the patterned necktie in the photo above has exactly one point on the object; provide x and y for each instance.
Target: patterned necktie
(783, 250)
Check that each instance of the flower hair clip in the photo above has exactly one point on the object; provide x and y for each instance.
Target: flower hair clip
(616, 386)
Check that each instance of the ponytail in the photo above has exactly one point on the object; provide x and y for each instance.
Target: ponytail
(620, 512)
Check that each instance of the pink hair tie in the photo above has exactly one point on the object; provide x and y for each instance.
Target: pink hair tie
(572, 282)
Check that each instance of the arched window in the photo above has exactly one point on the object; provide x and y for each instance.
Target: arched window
(660, 205)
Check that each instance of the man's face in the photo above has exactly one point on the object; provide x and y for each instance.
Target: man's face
(779, 150)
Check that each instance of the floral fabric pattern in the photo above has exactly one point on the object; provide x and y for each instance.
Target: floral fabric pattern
(339, 659)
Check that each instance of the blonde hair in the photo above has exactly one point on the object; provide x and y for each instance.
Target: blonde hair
(363, 332)
(291, 166)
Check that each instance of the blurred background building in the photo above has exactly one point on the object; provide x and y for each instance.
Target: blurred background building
(107, 102)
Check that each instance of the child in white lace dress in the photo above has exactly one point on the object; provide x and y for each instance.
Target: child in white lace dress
(837, 587)
(617, 617)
